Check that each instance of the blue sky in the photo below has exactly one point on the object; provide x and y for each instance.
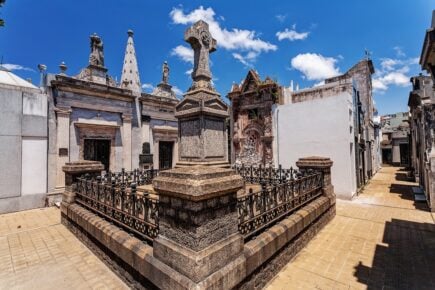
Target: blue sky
(305, 41)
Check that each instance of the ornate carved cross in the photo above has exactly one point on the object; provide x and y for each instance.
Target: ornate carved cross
(199, 37)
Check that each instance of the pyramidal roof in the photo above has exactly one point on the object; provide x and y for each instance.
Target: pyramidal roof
(130, 73)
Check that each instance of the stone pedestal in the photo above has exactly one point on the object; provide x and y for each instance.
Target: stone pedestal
(198, 223)
(76, 169)
(322, 164)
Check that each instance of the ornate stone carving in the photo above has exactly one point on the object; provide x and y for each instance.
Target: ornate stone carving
(252, 114)
(203, 142)
(97, 55)
(202, 43)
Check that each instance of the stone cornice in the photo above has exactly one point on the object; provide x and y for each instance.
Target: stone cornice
(68, 84)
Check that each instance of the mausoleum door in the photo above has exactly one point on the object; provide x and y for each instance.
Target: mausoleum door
(165, 155)
(97, 150)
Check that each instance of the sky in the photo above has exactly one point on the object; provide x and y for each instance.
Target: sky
(303, 41)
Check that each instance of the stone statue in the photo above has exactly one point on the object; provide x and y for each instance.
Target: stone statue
(165, 73)
(97, 56)
(202, 44)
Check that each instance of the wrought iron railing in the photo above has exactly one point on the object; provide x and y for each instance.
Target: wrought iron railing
(140, 177)
(115, 198)
(266, 175)
(259, 210)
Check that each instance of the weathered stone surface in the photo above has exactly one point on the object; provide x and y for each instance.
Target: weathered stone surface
(197, 265)
(197, 183)
(75, 169)
(251, 130)
(322, 164)
(201, 114)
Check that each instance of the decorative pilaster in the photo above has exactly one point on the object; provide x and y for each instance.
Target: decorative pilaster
(63, 136)
(126, 142)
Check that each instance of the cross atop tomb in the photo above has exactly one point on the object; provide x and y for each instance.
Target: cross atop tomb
(199, 37)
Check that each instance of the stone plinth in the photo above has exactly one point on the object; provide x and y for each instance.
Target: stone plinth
(198, 220)
(76, 169)
(322, 164)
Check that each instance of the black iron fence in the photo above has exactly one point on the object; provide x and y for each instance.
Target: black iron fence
(267, 175)
(140, 177)
(114, 196)
(259, 210)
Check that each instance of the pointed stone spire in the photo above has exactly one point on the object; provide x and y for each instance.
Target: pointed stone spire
(130, 73)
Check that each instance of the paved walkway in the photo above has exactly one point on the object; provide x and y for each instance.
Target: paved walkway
(37, 252)
(380, 240)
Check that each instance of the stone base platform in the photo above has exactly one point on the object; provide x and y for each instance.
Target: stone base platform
(219, 164)
(262, 257)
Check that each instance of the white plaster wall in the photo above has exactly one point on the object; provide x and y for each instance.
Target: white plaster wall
(35, 104)
(322, 127)
(34, 166)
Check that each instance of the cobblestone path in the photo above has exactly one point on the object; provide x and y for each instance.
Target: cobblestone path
(379, 240)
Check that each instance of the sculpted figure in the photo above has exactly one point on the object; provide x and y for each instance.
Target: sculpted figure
(97, 56)
(165, 72)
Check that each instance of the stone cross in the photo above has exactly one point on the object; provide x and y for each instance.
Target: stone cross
(199, 37)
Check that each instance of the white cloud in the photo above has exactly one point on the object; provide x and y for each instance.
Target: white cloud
(291, 34)
(378, 85)
(315, 66)
(235, 39)
(147, 87)
(281, 17)
(393, 72)
(392, 78)
(183, 52)
(388, 64)
(12, 67)
(177, 91)
(247, 59)
(189, 71)
(399, 51)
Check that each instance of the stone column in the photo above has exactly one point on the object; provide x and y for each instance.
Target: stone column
(198, 224)
(126, 142)
(63, 150)
(322, 164)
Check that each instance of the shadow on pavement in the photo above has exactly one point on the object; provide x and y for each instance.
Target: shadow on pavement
(403, 176)
(406, 262)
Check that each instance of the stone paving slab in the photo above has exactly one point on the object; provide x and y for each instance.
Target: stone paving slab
(37, 252)
(380, 240)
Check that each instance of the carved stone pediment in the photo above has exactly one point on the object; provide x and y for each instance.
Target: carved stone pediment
(251, 82)
(187, 104)
(216, 104)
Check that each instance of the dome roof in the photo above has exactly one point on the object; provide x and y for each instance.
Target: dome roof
(11, 79)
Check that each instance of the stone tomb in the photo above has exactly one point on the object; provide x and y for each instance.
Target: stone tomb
(199, 243)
